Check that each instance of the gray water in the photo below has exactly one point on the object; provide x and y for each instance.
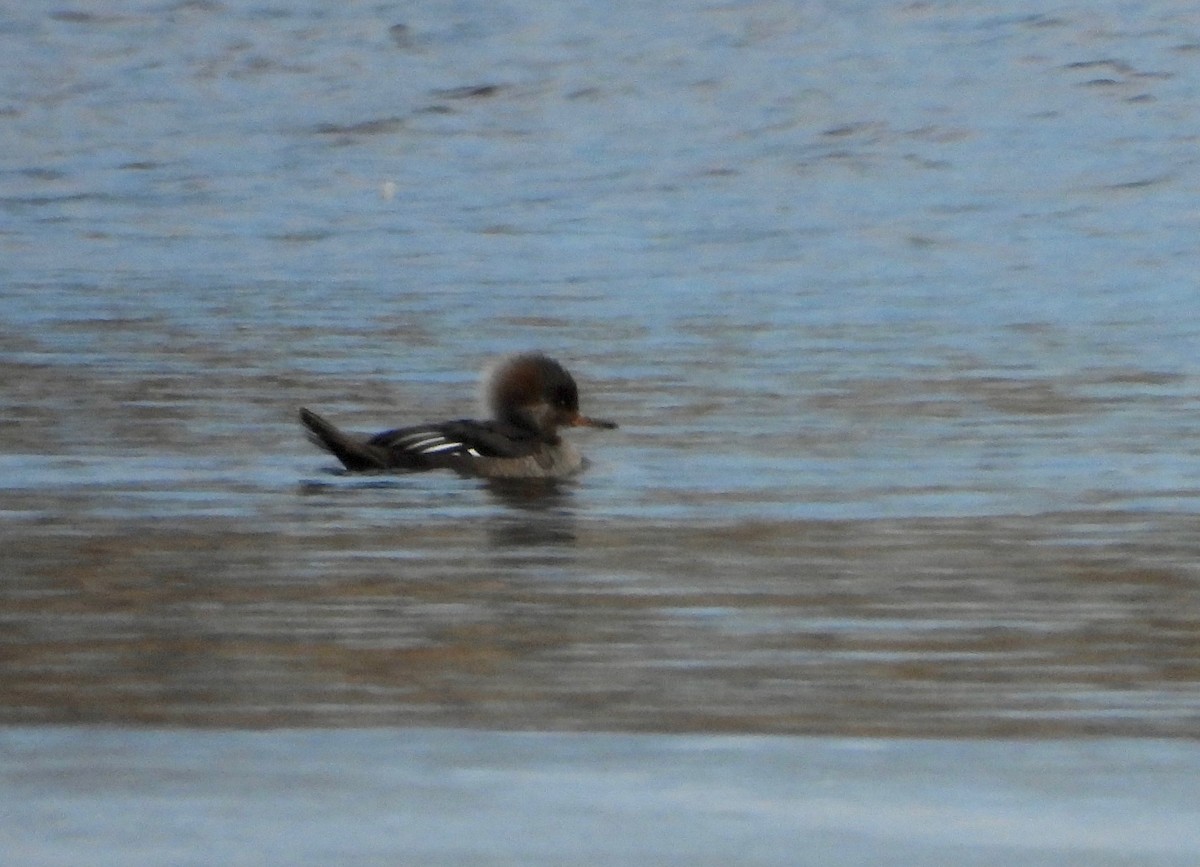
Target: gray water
(895, 304)
(389, 797)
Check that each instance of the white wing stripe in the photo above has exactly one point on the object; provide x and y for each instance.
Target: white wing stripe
(444, 447)
(432, 442)
(420, 436)
(422, 445)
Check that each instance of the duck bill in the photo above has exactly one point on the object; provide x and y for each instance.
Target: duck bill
(585, 421)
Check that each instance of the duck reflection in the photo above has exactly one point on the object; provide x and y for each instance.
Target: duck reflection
(539, 513)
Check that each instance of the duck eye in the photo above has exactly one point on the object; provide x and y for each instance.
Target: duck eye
(563, 399)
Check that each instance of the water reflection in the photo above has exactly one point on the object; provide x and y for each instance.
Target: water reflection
(517, 513)
(537, 513)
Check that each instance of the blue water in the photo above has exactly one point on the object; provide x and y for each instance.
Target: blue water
(894, 304)
(439, 797)
(827, 261)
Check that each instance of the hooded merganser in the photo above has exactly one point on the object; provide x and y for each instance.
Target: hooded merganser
(530, 397)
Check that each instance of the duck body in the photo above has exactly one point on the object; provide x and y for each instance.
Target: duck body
(531, 397)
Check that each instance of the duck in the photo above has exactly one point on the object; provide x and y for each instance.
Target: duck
(530, 397)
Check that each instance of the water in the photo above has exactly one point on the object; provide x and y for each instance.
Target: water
(894, 304)
(443, 797)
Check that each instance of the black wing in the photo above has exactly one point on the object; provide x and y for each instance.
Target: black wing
(442, 443)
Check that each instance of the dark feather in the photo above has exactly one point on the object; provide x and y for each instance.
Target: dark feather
(464, 437)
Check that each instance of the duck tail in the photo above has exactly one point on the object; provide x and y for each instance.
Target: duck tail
(354, 453)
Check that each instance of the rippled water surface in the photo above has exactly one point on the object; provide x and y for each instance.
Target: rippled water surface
(895, 303)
